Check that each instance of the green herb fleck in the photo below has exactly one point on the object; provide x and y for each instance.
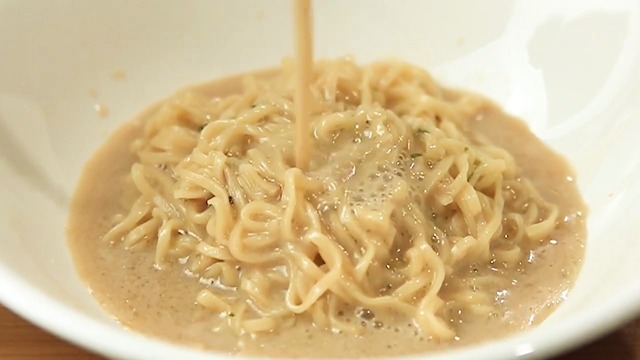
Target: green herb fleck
(466, 148)
(423, 131)
(253, 105)
(415, 155)
(470, 174)
(232, 314)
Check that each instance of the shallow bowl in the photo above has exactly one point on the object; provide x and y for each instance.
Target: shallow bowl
(71, 71)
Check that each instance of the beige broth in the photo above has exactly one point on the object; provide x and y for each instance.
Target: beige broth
(161, 303)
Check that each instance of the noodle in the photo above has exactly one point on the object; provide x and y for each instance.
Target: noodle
(398, 202)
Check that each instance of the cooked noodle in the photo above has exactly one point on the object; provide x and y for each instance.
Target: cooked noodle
(398, 205)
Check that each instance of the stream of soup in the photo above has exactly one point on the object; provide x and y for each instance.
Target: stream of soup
(427, 218)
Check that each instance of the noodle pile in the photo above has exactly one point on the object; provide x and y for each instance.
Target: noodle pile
(399, 209)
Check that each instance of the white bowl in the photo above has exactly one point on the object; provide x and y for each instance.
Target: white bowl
(570, 68)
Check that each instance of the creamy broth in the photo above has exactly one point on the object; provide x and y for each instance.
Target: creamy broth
(161, 302)
(304, 64)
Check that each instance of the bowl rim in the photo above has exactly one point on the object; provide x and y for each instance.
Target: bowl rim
(37, 307)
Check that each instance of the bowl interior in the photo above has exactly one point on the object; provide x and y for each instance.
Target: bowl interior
(72, 71)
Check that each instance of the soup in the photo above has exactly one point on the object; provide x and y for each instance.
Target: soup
(426, 218)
